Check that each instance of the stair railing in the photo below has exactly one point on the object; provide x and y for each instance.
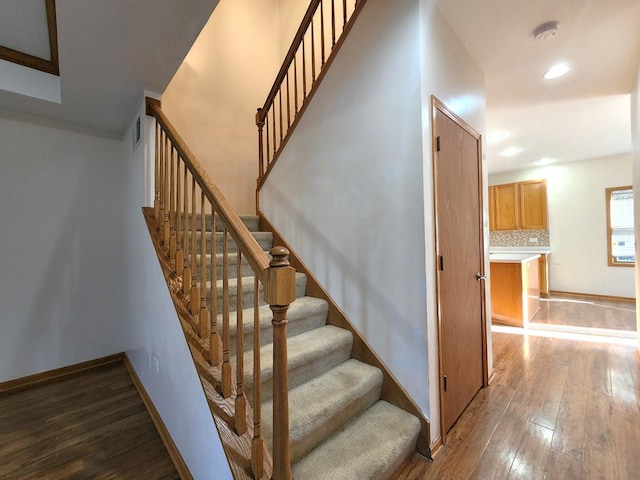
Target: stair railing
(322, 32)
(188, 208)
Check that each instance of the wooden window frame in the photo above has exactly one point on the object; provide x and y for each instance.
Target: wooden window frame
(48, 66)
(611, 261)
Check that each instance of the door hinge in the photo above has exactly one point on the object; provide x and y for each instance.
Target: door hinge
(441, 262)
(438, 143)
(445, 383)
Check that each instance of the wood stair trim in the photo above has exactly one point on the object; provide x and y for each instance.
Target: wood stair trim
(238, 230)
(392, 391)
(237, 448)
(314, 87)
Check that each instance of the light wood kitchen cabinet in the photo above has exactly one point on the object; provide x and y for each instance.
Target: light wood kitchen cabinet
(506, 206)
(518, 206)
(515, 289)
(533, 205)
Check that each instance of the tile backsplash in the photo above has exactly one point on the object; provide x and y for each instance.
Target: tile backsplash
(519, 238)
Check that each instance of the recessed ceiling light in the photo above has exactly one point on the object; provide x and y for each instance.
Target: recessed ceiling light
(545, 161)
(496, 137)
(510, 152)
(558, 70)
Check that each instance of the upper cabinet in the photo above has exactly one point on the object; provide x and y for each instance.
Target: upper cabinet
(518, 206)
(506, 206)
(533, 205)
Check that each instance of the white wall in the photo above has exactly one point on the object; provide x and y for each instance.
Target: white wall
(153, 329)
(212, 99)
(635, 152)
(451, 74)
(347, 190)
(350, 189)
(578, 225)
(60, 246)
(290, 17)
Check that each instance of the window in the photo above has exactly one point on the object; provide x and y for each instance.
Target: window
(620, 236)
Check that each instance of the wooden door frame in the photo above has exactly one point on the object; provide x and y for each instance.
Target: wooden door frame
(437, 105)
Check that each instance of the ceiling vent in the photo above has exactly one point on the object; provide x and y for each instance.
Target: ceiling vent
(545, 31)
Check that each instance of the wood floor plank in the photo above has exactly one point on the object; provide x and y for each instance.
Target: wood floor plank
(568, 437)
(549, 396)
(468, 451)
(90, 425)
(600, 450)
(533, 451)
(511, 363)
(560, 466)
(626, 432)
(623, 387)
(500, 453)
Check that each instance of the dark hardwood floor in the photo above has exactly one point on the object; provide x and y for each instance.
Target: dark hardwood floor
(573, 310)
(92, 425)
(556, 409)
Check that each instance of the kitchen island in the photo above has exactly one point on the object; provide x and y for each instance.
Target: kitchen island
(515, 287)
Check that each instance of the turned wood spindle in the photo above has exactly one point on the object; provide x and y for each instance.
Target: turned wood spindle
(257, 443)
(241, 400)
(156, 175)
(226, 335)
(205, 324)
(179, 220)
(214, 340)
(260, 124)
(194, 296)
(186, 273)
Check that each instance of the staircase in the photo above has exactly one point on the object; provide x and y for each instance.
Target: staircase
(314, 401)
(339, 427)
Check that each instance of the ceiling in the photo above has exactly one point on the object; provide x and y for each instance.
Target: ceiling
(110, 51)
(584, 114)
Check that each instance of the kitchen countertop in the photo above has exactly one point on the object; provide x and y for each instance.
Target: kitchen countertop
(513, 257)
(541, 250)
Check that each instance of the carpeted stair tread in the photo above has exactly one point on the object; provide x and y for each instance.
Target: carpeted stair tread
(324, 404)
(309, 354)
(371, 447)
(305, 314)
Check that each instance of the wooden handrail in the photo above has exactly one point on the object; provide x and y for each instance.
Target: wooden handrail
(322, 39)
(255, 256)
(186, 206)
(288, 59)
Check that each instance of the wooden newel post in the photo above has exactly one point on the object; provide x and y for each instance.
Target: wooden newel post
(279, 292)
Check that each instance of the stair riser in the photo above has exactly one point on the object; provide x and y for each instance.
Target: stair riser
(250, 221)
(265, 240)
(294, 327)
(248, 293)
(247, 271)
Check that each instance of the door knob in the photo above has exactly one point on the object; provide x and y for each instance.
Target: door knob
(480, 276)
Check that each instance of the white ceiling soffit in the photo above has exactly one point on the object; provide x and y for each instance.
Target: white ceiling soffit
(598, 39)
(110, 52)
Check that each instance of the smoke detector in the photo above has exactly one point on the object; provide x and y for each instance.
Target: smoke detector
(545, 31)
